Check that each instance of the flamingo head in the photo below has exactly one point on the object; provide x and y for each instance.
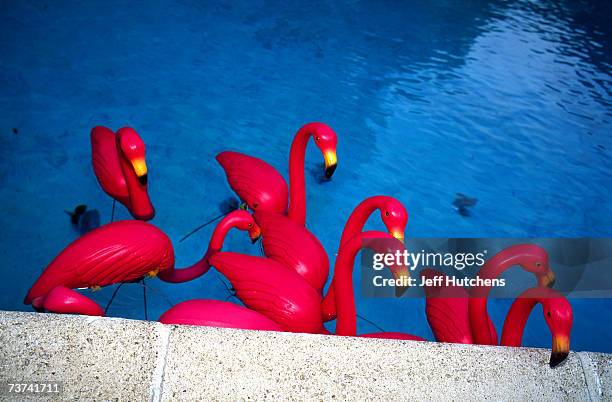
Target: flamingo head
(326, 140)
(534, 259)
(394, 216)
(559, 317)
(243, 220)
(133, 149)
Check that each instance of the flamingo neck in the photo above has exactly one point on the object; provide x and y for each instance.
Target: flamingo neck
(358, 218)
(297, 185)
(353, 226)
(346, 323)
(516, 320)
(139, 203)
(220, 233)
(179, 275)
(479, 316)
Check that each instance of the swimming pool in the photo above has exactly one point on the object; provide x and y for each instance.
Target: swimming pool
(507, 102)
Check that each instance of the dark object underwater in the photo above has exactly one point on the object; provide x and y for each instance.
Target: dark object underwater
(84, 220)
(462, 204)
(229, 205)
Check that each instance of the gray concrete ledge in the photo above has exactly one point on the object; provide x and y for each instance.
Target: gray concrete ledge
(108, 359)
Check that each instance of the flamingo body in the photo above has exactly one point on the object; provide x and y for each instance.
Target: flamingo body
(446, 308)
(215, 313)
(271, 289)
(106, 165)
(256, 182)
(447, 312)
(117, 252)
(295, 247)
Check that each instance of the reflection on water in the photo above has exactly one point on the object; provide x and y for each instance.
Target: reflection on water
(524, 104)
(507, 102)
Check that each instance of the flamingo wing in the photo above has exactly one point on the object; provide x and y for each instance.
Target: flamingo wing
(295, 247)
(106, 165)
(271, 289)
(255, 181)
(447, 311)
(215, 313)
(117, 252)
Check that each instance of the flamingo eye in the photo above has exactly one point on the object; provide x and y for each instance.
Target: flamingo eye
(538, 264)
(548, 314)
(387, 213)
(250, 225)
(317, 138)
(255, 205)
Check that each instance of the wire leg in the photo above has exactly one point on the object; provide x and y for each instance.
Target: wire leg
(113, 212)
(112, 298)
(371, 323)
(201, 227)
(160, 294)
(144, 298)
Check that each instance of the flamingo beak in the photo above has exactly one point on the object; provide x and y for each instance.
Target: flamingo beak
(547, 280)
(140, 168)
(331, 162)
(560, 350)
(254, 234)
(399, 235)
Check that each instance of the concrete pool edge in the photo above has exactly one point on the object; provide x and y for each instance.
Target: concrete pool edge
(108, 358)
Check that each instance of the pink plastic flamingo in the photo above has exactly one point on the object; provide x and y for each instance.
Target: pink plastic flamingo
(118, 252)
(285, 239)
(457, 316)
(238, 219)
(119, 164)
(264, 189)
(448, 315)
(557, 314)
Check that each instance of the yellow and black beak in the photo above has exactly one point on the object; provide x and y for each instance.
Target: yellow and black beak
(140, 168)
(547, 280)
(560, 350)
(254, 234)
(399, 235)
(331, 162)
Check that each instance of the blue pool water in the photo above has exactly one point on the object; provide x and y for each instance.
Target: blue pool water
(505, 101)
